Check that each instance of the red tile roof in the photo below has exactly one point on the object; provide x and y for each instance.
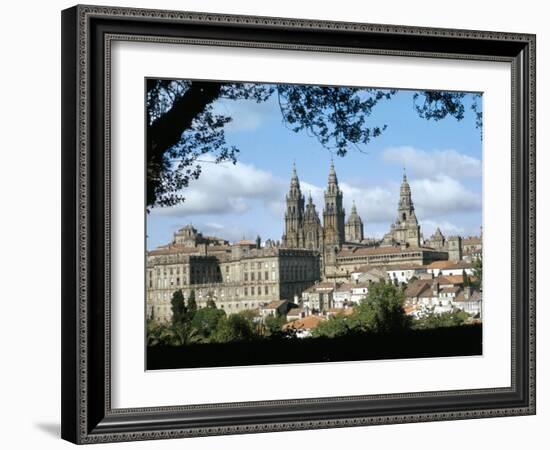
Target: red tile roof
(307, 323)
(275, 304)
(453, 279)
(416, 288)
(474, 240)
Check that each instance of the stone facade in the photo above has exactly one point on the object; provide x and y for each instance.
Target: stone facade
(350, 260)
(354, 227)
(246, 275)
(405, 229)
(237, 277)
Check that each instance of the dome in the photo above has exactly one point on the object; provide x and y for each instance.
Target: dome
(354, 218)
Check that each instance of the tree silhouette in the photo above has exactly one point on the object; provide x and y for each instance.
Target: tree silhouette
(182, 123)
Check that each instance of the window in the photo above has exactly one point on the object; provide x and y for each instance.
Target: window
(259, 265)
(252, 290)
(246, 276)
(266, 290)
(259, 276)
(266, 275)
(245, 291)
(251, 276)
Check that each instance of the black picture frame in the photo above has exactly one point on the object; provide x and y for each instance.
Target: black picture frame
(87, 415)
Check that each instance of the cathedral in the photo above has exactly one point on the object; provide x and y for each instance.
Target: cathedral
(304, 229)
(405, 229)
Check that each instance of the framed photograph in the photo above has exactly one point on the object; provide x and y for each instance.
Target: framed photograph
(281, 224)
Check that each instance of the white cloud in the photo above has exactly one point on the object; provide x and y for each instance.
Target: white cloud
(229, 232)
(427, 164)
(228, 192)
(428, 228)
(226, 189)
(442, 195)
(374, 203)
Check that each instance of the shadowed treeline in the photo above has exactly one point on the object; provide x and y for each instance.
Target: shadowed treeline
(465, 340)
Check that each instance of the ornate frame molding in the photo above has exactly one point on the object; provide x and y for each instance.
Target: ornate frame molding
(88, 32)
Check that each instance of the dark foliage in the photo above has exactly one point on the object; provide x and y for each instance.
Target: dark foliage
(426, 343)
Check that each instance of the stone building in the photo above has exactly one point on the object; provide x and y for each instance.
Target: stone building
(342, 245)
(236, 277)
(436, 241)
(350, 260)
(459, 249)
(405, 229)
(472, 247)
(304, 229)
(333, 219)
(454, 247)
(354, 227)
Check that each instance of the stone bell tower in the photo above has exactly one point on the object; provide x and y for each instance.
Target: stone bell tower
(333, 217)
(293, 237)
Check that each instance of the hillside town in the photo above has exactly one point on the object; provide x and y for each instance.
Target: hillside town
(319, 269)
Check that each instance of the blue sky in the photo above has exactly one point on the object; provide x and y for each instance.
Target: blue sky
(442, 159)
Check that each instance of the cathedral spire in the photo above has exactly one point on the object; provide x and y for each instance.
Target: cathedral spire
(354, 226)
(332, 178)
(294, 213)
(294, 181)
(333, 214)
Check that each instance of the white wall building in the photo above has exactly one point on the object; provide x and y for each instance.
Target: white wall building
(402, 274)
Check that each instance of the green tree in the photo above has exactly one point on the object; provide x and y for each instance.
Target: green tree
(179, 310)
(447, 319)
(334, 326)
(478, 273)
(157, 333)
(210, 303)
(234, 328)
(183, 123)
(465, 278)
(382, 310)
(206, 320)
(191, 304)
(184, 333)
(274, 325)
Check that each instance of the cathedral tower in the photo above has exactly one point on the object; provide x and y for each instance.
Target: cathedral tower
(354, 227)
(313, 231)
(333, 217)
(293, 237)
(405, 230)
